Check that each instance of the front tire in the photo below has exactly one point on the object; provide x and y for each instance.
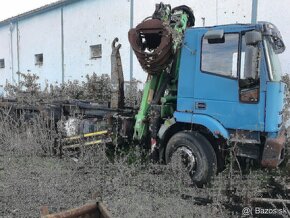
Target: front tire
(197, 155)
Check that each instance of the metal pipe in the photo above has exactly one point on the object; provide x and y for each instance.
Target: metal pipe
(87, 209)
(217, 11)
(96, 210)
(87, 135)
(131, 26)
(254, 11)
(11, 47)
(62, 47)
(18, 55)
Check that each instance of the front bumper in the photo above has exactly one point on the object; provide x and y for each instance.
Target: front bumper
(274, 150)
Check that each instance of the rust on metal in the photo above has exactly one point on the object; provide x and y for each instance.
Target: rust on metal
(117, 77)
(44, 211)
(273, 151)
(93, 210)
(103, 211)
(152, 43)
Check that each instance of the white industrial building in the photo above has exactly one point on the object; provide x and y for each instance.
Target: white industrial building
(64, 41)
(68, 39)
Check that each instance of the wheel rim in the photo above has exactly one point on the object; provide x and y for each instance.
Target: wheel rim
(188, 159)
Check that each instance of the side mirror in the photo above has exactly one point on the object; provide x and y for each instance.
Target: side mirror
(253, 37)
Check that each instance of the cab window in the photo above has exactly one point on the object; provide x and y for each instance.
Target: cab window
(221, 57)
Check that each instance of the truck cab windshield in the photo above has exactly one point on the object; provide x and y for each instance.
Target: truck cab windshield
(274, 66)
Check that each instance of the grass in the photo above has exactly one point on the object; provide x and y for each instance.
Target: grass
(31, 177)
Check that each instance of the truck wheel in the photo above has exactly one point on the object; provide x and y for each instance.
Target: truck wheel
(197, 155)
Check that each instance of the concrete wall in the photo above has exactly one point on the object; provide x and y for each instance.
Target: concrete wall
(85, 23)
(91, 22)
(94, 22)
(226, 12)
(5, 53)
(41, 35)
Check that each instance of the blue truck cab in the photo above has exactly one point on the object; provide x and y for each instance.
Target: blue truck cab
(230, 83)
(210, 92)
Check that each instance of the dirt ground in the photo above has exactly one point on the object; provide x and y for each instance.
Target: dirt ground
(29, 180)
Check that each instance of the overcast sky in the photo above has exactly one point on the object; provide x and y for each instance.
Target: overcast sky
(10, 8)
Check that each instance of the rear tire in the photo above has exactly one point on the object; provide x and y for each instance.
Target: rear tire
(197, 155)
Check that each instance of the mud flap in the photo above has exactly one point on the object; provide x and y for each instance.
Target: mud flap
(273, 153)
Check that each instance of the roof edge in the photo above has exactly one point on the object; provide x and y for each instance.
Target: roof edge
(37, 11)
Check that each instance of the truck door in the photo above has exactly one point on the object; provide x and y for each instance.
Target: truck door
(217, 89)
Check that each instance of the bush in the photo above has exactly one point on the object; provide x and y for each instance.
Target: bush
(95, 89)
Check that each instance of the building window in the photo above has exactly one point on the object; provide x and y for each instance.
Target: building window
(96, 51)
(2, 63)
(39, 59)
(221, 57)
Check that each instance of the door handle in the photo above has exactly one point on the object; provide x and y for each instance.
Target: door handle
(200, 105)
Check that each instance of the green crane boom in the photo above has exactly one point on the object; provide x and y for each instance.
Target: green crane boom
(158, 51)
